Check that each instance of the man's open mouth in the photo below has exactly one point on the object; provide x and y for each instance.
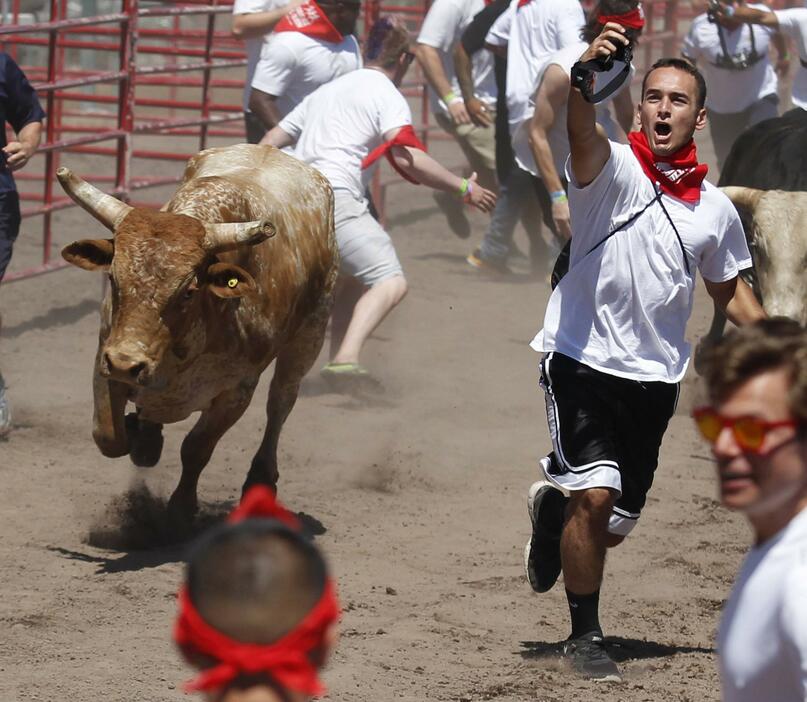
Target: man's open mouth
(662, 129)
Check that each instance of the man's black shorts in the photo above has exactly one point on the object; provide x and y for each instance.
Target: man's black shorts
(606, 432)
(9, 226)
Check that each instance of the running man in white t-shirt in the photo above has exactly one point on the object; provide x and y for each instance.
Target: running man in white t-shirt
(311, 46)
(341, 129)
(756, 379)
(252, 21)
(742, 83)
(441, 31)
(792, 23)
(644, 222)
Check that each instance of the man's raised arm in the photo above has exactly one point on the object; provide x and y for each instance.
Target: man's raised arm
(589, 145)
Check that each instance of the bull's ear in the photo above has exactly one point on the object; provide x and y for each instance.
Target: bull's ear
(226, 280)
(90, 254)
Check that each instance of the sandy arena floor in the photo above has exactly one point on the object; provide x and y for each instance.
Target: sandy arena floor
(419, 498)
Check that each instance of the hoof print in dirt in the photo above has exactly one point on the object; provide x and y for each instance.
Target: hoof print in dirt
(145, 441)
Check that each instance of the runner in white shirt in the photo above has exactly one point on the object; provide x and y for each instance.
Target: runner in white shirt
(792, 23)
(643, 223)
(541, 144)
(741, 80)
(441, 31)
(252, 20)
(340, 129)
(537, 28)
(756, 379)
(312, 45)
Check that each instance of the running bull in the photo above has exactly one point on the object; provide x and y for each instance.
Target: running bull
(765, 178)
(237, 270)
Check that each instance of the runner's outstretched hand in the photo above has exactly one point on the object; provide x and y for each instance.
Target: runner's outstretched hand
(479, 197)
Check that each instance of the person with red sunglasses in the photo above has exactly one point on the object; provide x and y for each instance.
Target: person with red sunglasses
(756, 422)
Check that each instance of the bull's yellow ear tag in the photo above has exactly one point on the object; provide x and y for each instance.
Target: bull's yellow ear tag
(232, 282)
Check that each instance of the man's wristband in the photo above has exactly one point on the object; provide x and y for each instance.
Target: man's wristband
(558, 196)
(728, 10)
(451, 97)
(466, 188)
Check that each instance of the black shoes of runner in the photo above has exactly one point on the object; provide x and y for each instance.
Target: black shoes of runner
(589, 658)
(545, 505)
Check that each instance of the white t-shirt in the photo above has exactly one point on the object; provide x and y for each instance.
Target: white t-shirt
(730, 91)
(253, 46)
(293, 65)
(793, 23)
(499, 32)
(623, 307)
(762, 641)
(539, 28)
(558, 135)
(341, 122)
(442, 29)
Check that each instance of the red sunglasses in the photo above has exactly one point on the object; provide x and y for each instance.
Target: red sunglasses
(749, 432)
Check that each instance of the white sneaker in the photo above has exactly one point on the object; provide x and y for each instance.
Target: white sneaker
(5, 411)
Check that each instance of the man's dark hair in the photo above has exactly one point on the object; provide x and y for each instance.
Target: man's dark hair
(592, 28)
(766, 345)
(255, 581)
(681, 65)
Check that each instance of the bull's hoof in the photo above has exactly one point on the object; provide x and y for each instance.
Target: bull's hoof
(145, 441)
(181, 514)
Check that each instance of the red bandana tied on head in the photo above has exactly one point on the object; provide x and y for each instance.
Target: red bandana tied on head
(405, 137)
(309, 19)
(683, 178)
(630, 20)
(286, 660)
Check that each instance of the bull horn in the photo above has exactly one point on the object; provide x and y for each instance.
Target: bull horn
(225, 237)
(747, 198)
(108, 210)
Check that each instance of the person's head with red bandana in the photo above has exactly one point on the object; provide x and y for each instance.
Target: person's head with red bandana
(257, 611)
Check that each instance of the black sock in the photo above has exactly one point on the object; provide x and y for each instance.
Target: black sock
(584, 610)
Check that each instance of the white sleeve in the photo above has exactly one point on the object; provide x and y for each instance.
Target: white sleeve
(248, 7)
(568, 22)
(728, 253)
(499, 32)
(393, 112)
(690, 48)
(794, 623)
(294, 122)
(276, 67)
(440, 25)
(793, 23)
(617, 182)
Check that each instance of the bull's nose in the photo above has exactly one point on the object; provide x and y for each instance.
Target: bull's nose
(123, 366)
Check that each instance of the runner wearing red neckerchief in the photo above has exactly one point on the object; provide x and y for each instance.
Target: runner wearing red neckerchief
(644, 221)
(342, 129)
(310, 46)
(258, 611)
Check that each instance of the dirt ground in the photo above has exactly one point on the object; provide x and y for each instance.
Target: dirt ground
(418, 499)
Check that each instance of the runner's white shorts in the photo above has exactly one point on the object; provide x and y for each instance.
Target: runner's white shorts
(365, 248)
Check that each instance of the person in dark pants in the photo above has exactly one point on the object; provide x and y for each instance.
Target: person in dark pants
(19, 107)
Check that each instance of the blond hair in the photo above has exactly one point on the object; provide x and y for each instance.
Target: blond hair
(767, 345)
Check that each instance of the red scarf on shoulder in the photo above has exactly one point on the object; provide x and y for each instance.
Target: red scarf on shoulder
(405, 137)
(680, 176)
(309, 19)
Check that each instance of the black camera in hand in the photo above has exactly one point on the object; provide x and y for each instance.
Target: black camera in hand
(601, 76)
(713, 10)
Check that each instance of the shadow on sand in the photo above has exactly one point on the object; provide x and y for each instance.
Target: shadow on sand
(137, 528)
(620, 649)
(55, 317)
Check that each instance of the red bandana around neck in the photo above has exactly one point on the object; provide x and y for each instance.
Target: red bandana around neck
(309, 19)
(684, 177)
(405, 137)
(286, 660)
(630, 20)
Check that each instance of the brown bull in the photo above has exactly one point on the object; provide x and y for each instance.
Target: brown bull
(237, 270)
